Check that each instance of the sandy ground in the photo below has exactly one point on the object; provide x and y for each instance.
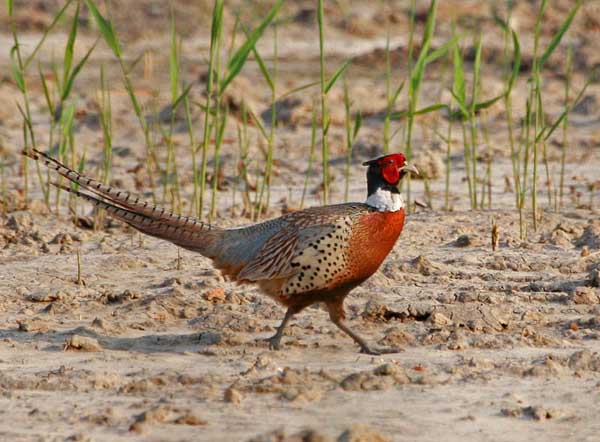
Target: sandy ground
(152, 344)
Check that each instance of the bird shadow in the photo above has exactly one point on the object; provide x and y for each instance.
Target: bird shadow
(52, 340)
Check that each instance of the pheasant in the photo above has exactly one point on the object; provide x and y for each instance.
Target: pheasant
(313, 255)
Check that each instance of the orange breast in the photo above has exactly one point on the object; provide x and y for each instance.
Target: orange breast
(373, 237)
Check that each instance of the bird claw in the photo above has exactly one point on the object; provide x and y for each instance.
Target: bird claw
(273, 341)
(378, 351)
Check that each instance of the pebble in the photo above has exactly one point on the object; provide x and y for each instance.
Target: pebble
(83, 343)
(233, 396)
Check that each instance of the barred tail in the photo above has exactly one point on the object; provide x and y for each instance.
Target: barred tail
(116, 196)
(187, 232)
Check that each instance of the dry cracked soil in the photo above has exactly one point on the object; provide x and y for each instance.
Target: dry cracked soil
(147, 342)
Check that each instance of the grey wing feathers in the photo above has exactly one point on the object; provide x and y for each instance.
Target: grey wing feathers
(271, 247)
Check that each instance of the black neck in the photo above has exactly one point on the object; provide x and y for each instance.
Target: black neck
(375, 182)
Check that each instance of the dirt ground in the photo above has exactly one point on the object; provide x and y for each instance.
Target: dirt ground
(153, 344)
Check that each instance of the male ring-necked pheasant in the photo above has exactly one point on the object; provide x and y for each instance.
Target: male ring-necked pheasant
(313, 255)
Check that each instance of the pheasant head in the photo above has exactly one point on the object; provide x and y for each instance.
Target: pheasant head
(383, 175)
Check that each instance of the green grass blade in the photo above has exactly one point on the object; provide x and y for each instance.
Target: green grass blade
(69, 48)
(476, 73)
(17, 73)
(439, 52)
(80, 167)
(419, 69)
(516, 62)
(173, 60)
(66, 119)
(259, 124)
(485, 104)
(129, 69)
(237, 61)
(337, 75)
(458, 86)
(357, 125)
(106, 28)
(57, 17)
(217, 21)
(261, 63)
(423, 111)
(463, 108)
(181, 97)
(559, 34)
(547, 131)
(69, 83)
(263, 69)
(298, 89)
(49, 102)
(395, 95)
(501, 22)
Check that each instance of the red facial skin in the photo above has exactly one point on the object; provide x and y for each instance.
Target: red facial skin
(390, 167)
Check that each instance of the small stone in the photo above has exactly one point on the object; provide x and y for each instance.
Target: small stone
(386, 370)
(83, 343)
(171, 282)
(361, 433)
(595, 277)
(62, 239)
(512, 412)
(78, 437)
(99, 323)
(215, 295)
(190, 419)
(439, 319)
(583, 360)
(585, 295)
(463, 241)
(539, 413)
(233, 396)
(532, 316)
(33, 325)
(46, 296)
(158, 414)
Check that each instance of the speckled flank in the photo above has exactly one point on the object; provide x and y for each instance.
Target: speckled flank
(322, 261)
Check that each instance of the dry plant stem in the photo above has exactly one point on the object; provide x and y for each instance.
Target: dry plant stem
(3, 192)
(448, 165)
(488, 172)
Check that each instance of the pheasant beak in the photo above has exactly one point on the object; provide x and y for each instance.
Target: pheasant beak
(409, 168)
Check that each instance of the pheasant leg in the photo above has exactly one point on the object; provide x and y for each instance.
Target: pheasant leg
(337, 316)
(275, 340)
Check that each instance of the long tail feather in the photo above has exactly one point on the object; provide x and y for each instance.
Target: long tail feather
(118, 197)
(179, 235)
(187, 232)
